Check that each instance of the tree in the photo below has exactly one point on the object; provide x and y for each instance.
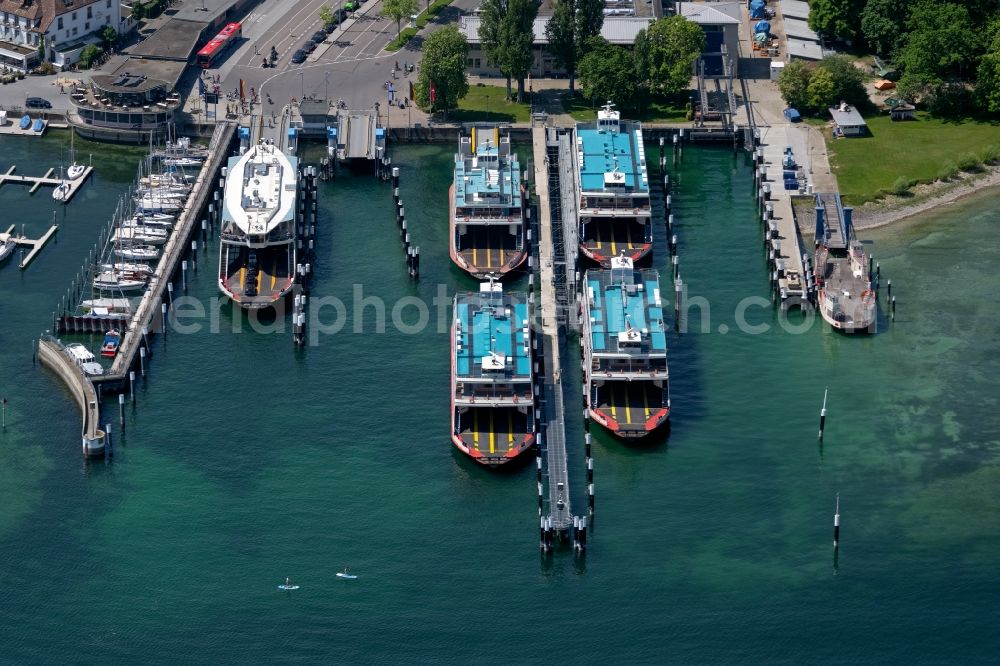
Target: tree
(793, 82)
(41, 49)
(667, 51)
(138, 11)
(848, 80)
(820, 92)
(326, 15)
(607, 72)
(573, 22)
(89, 53)
(883, 23)
(442, 70)
(988, 78)
(941, 43)
(109, 36)
(507, 36)
(397, 10)
(836, 19)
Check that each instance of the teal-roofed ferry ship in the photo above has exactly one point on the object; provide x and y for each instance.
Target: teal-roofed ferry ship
(492, 400)
(625, 349)
(487, 205)
(613, 186)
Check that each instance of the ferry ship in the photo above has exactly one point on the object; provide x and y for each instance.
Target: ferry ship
(257, 249)
(487, 205)
(625, 349)
(612, 182)
(844, 291)
(492, 403)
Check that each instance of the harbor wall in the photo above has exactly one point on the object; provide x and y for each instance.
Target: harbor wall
(50, 353)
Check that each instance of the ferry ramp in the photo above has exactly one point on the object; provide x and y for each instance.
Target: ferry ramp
(360, 131)
(282, 129)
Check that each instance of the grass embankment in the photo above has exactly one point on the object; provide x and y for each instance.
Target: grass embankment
(489, 104)
(655, 110)
(899, 155)
(423, 18)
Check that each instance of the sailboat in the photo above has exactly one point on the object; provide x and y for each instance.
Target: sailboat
(62, 190)
(7, 245)
(74, 170)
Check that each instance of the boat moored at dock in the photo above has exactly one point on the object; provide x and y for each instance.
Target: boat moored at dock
(487, 205)
(492, 403)
(625, 349)
(257, 249)
(613, 189)
(844, 293)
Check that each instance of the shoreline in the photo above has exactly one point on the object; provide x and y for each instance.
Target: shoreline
(895, 209)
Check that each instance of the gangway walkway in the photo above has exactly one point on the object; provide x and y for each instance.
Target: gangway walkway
(361, 134)
(546, 165)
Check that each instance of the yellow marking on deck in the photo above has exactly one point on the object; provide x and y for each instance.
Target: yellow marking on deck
(492, 434)
(243, 277)
(274, 280)
(489, 253)
(510, 430)
(628, 404)
(475, 256)
(611, 400)
(628, 236)
(645, 403)
(611, 235)
(473, 140)
(597, 234)
(475, 428)
(496, 137)
(260, 277)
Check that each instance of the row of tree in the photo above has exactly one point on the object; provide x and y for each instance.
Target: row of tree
(948, 51)
(660, 62)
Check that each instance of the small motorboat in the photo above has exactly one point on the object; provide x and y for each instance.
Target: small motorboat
(38, 126)
(25, 121)
(138, 252)
(7, 245)
(112, 340)
(119, 281)
(107, 306)
(85, 359)
(3, 117)
(169, 178)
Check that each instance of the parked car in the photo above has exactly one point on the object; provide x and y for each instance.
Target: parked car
(299, 56)
(37, 103)
(340, 15)
(331, 26)
(319, 37)
(309, 47)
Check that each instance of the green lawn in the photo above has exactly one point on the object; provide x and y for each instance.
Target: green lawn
(423, 18)
(658, 110)
(867, 167)
(487, 104)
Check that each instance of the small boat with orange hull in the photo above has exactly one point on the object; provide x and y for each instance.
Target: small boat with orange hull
(612, 182)
(488, 230)
(492, 400)
(844, 293)
(625, 349)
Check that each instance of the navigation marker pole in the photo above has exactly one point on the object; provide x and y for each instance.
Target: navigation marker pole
(822, 415)
(836, 525)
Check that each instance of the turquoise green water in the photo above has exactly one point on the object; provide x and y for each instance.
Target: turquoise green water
(245, 461)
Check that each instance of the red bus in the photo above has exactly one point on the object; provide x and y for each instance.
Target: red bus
(218, 44)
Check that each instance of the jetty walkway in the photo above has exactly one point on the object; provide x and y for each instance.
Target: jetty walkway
(46, 179)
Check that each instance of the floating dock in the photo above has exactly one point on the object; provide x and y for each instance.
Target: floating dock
(36, 245)
(47, 180)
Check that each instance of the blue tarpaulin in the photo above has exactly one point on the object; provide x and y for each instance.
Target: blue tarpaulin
(757, 9)
(762, 26)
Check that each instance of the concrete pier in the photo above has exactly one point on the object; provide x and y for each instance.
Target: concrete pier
(52, 355)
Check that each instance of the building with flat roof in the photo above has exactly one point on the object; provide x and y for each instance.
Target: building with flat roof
(847, 121)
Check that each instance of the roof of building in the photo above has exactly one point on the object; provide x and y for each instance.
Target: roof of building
(804, 49)
(174, 40)
(203, 11)
(847, 117)
(602, 152)
(491, 178)
(156, 72)
(492, 337)
(45, 10)
(616, 29)
(800, 29)
(794, 8)
(624, 308)
(714, 14)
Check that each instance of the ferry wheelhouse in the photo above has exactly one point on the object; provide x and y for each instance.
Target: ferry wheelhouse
(487, 205)
(613, 186)
(257, 249)
(625, 349)
(492, 403)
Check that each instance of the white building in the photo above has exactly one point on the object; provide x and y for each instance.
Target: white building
(66, 26)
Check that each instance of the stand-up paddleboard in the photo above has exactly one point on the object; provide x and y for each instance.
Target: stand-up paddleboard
(287, 585)
(344, 574)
